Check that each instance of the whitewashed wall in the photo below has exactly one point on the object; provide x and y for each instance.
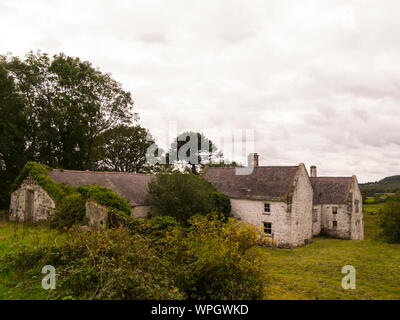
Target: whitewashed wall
(302, 206)
(252, 212)
(141, 211)
(318, 222)
(357, 218)
(43, 205)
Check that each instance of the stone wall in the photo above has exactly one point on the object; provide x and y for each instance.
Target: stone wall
(317, 220)
(97, 215)
(342, 218)
(42, 206)
(252, 212)
(141, 211)
(302, 207)
(357, 216)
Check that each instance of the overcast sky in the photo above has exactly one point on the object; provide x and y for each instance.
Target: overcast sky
(318, 81)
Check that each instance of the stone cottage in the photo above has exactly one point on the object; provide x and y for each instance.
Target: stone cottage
(338, 210)
(31, 203)
(290, 206)
(280, 199)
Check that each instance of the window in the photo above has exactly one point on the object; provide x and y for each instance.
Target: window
(334, 210)
(357, 205)
(315, 215)
(334, 224)
(267, 208)
(268, 228)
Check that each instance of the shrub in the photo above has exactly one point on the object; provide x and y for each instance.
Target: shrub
(154, 259)
(183, 195)
(70, 211)
(40, 173)
(112, 264)
(216, 261)
(390, 220)
(106, 197)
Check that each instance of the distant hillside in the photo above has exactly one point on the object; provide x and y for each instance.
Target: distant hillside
(387, 185)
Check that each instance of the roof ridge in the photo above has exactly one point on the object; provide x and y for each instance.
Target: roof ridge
(253, 167)
(327, 177)
(102, 172)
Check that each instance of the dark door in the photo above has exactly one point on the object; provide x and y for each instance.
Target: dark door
(29, 205)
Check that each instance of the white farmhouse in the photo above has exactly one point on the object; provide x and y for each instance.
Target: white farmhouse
(291, 206)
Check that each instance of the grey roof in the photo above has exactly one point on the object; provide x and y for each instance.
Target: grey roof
(131, 186)
(331, 190)
(265, 183)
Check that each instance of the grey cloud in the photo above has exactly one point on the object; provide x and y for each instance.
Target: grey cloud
(313, 89)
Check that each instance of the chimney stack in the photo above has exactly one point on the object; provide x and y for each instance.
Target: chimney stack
(313, 171)
(253, 160)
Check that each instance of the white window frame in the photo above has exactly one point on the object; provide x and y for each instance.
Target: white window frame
(269, 207)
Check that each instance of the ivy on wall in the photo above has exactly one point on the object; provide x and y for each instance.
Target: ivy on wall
(62, 193)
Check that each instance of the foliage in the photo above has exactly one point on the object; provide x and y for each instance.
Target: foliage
(224, 164)
(153, 259)
(124, 148)
(53, 110)
(106, 197)
(12, 133)
(194, 149)
(307, 273)
(40, 173)
(386, 185)
(184, 195)
(222, 203)
(390, 220)
(70, 211)
(216, 261)
(100, 265)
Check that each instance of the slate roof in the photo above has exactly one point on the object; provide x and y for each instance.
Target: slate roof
(330, 190)
(265, 183)
(131, 186)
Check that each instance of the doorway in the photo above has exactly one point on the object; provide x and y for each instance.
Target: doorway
(29, 205)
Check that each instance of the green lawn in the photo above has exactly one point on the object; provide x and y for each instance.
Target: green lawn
(12, 237)
(310, 272)
(314, 271)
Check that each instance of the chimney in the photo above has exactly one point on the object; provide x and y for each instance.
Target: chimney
(253, 159)
(313, 171)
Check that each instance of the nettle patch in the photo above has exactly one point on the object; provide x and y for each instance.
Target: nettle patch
(70, 200)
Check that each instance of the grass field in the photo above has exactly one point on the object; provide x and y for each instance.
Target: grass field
(12, 237)
(314, 271)
(307, 273)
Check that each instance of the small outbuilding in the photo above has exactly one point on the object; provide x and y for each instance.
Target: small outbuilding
(31, 203)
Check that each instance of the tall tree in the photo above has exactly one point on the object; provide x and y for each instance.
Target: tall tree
(12, 135)
(70, 104)
(124, 149)
(53, 111)
(194, 149)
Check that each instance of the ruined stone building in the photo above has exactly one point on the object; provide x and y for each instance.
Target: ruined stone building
(291, 206)
(30, 202)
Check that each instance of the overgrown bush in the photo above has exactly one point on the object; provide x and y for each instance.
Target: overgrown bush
(184, 195)
(153, 259)
(215, 260)
(71, 210)
(390, 220)
(106, 197)
(112, 264)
